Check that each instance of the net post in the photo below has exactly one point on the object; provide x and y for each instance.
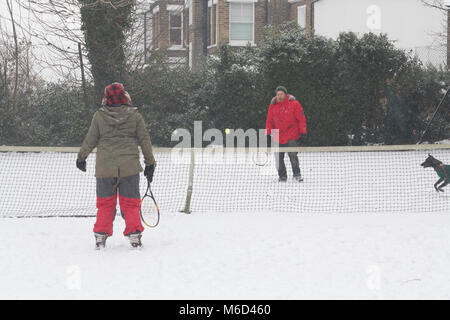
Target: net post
(187, 205)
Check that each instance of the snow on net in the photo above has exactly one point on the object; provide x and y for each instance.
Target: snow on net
(48, 183)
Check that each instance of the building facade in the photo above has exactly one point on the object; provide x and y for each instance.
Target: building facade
(169, 28)
(189, 30)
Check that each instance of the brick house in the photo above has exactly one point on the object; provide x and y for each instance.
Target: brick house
(168, 27)
(187, 30)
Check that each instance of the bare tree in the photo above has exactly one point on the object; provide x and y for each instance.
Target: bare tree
(442, 41)
(437, 4)
(16, 56)
(54, 27)
(18, 76)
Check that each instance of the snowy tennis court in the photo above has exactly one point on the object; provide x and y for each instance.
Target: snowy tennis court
(223, 256)
(362, 225)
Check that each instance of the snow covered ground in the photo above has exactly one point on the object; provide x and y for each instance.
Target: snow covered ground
(231, 256)
(362, 225)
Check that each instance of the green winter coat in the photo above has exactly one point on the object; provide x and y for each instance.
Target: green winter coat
(117, 132)
(443, 172)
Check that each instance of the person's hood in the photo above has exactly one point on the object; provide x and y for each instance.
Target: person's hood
(117, 115)
(288, 97)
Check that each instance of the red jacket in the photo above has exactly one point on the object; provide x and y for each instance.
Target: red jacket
(288, 117)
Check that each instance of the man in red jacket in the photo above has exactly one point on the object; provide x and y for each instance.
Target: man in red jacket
(286, 114)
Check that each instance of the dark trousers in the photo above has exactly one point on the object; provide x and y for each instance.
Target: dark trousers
(279, 157)
(127, 190)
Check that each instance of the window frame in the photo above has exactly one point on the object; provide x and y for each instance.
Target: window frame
(300, 7)
(213, 26)
(241, 43)
(176, 46)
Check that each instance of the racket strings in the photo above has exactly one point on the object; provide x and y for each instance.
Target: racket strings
(149, 211)
(261, 158)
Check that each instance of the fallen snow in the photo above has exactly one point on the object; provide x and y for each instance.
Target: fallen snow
(388, 234)
(231, 256)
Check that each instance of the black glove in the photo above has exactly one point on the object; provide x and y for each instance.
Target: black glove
(148, 172)
(303, 139)
(269, 141)
(81, 164)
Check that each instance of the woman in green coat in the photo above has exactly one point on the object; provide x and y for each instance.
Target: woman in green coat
(117, 129)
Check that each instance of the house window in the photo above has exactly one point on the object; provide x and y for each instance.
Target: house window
(176, 28)
(241, 22)
(301, 16)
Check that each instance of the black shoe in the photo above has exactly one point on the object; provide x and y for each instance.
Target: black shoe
(100, 240)
(298, 178)
(282, 179)
(135, 239)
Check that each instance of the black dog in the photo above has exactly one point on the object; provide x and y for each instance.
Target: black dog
(443, 171)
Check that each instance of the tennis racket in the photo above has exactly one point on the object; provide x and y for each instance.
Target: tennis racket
(260, 158)
(149, 209)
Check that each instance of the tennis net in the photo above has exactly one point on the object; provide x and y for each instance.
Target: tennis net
(44, 182)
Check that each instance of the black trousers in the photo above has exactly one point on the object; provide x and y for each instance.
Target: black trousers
(293, 157)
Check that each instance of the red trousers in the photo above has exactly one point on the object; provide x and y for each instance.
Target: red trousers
(129, 201)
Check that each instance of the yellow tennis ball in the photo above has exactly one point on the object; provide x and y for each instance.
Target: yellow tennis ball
(227, 131)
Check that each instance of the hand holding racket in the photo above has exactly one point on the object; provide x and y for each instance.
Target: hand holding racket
(149, 209)
(148, 172)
